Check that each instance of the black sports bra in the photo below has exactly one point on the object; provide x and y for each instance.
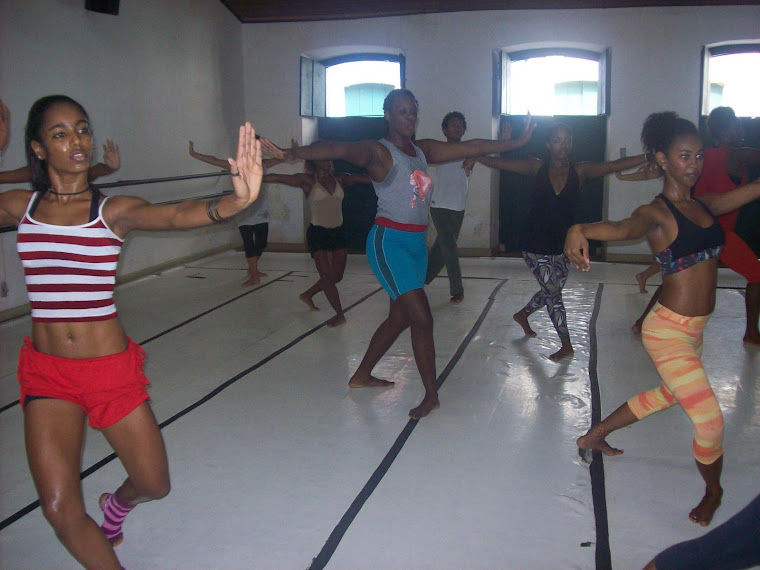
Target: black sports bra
(692, 245)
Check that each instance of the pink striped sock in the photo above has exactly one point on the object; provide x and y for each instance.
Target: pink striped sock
(114, 513)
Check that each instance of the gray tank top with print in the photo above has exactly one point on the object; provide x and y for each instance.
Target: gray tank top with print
(404, 195)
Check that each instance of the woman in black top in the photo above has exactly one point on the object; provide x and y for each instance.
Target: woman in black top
(557, 186)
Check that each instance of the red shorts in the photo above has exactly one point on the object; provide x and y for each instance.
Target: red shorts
(739, 256)
(107, 388)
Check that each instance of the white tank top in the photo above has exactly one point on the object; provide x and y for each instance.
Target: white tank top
(70, 271)
(326, 209)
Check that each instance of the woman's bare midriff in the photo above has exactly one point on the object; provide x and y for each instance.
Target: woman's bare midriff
(79, 339)
(691, 292)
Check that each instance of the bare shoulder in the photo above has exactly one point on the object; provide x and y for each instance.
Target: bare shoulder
(376, 147)
(656, 211)
(125, 201)
(379, 152)
(117, 206)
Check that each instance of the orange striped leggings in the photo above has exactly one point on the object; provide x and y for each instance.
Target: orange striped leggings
(674, 343)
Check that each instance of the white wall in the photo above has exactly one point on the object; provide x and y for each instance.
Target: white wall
(153, 77)
(163, 72)
(655, 53)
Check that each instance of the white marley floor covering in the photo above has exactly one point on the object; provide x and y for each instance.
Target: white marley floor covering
(277, 464)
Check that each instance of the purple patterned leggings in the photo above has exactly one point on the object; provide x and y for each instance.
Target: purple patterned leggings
(551, 273)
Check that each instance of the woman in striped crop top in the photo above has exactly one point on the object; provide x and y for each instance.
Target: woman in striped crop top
(686, 239)
(78, 362)
(396, 244)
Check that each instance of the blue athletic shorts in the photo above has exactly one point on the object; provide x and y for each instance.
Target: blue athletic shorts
(398, 258)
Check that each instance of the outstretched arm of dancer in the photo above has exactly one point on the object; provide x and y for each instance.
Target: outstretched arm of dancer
(111, 163)
(300, 180)
(437, 152)
(638, 225)
(367, 154)
(527, 167)
(207, 158)
(647, 171)
(587, 170)
(730, 201)
(128, 213)
(347, 180)
(221, 163)
(17, 176)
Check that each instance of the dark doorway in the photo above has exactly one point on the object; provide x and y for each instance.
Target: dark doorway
(589, 143)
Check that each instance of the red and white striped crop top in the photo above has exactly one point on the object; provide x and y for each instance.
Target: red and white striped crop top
(70, 271)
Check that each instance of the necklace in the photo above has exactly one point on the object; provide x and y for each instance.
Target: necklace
(68, 193)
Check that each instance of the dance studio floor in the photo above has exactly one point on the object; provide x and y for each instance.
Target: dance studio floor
(277, 464)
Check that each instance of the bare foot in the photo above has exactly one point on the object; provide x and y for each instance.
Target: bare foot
(522, 319)
(336, 321)
(641, 278)
(309, 303)
(594, 439)
(564, 352)
(251, 281)
(428, 404)
(458, 298)
(262, 274)
(751, 340)
(369, 382)
(703, 513)
(636, 328)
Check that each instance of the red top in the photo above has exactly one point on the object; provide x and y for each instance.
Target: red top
(715, 180)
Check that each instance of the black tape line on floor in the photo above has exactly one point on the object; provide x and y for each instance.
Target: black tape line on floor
(106, 460)
(190, 320)
(596, 469)
(321, 560)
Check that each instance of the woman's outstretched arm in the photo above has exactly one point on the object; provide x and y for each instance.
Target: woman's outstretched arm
(208, 158)
(221, 163)
(111, 163)
(730, 201)
(647, 171)
(302, 181)
(636, 226)
(17, 176)
(528, 167)
(588, 170)
(347, 180)
(437, 152)
(367, 154)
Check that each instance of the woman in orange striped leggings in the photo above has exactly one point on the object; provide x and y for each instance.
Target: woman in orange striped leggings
(686, 239)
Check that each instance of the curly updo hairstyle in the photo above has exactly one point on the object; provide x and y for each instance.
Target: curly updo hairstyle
(662, 129)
